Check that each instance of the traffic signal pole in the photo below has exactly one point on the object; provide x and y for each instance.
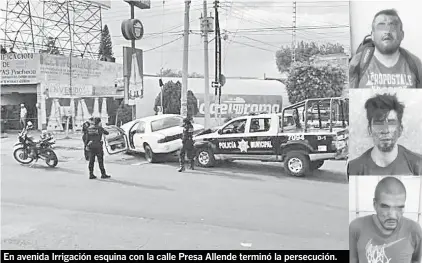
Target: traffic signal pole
(132, 16)
(205, 25)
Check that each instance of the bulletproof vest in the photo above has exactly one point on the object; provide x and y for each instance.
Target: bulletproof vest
(187, 133)
(94, 134)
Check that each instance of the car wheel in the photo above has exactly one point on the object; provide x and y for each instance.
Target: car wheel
(317, 164)
(297, 164)
(205, 157)
(149, 154)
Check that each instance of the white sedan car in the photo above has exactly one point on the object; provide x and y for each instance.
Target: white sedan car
(158, 134)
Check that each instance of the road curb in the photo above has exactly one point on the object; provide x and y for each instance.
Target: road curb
(73, 148)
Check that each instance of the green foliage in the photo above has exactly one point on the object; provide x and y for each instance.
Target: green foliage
(177, 74)
(311, 81)
(124, 114)
(171, 99)
(304, 52)
(105, 51)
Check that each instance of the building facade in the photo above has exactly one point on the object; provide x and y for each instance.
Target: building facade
(57, 90)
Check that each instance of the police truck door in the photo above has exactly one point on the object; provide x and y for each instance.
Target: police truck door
(261, 137)
(230, 139)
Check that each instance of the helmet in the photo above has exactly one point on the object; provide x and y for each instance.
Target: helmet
(44, 134)
(29, 125)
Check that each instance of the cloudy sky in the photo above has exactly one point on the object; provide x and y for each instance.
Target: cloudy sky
(255, 30)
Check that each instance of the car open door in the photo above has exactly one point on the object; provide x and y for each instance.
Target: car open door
(116, 141)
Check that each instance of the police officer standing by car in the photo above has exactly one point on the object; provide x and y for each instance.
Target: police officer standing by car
(85, 135)
(187, 147)
(95, 147)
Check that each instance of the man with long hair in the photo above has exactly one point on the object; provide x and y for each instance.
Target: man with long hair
(384, 113)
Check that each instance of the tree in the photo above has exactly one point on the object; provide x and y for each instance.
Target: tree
(3, 50)
(178, 74)
(304, 52)
(105, 52)
(314, 81)
(171, 99)
(170, 73)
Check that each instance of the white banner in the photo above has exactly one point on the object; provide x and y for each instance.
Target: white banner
(19, 68)
(65, 91)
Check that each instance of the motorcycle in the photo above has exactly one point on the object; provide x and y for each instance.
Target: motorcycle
(26, 150)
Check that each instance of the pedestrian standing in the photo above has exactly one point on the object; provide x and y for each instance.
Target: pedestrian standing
(23, 115)
(187, 145)
(85, 135)
(95, 146)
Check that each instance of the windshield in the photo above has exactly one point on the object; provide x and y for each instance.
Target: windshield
(166, 123)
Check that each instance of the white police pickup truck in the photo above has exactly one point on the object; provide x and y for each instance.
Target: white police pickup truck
(300, 137)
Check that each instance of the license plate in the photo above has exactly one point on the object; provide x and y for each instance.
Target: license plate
(322, 148)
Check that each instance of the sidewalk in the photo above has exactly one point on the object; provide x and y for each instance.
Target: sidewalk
(73, 141)
(67, 148)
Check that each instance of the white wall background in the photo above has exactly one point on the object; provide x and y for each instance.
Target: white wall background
(360, 141)
(361, 194)
(362, 14)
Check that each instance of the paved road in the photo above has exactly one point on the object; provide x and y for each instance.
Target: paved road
(152, 206)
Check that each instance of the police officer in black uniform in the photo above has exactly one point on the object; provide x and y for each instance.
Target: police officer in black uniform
(85, 135)
(187, 147)
(95, 146)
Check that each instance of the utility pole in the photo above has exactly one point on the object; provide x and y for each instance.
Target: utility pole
(132, 16)
(217, 61)
(205, 24)
(294, 33)
(184, 97)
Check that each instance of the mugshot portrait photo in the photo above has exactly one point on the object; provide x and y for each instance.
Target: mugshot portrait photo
(385, 127)
(385, 45)
(385, 219)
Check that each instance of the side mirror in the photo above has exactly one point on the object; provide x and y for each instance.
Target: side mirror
(220, 131)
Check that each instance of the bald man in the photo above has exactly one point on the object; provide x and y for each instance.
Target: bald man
(387, 236)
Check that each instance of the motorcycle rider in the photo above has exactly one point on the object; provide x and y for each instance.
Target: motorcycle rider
(31, 143)
(95, 147)
(187, 147)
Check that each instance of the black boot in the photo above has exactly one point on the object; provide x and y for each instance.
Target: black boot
(181, 168)
(105, 176)
(182, 163)
(92, 176)
(192, 165)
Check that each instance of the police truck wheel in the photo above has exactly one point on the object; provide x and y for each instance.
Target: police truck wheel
(297, 164)
(149, 154)
(205, 157)
(317, 164)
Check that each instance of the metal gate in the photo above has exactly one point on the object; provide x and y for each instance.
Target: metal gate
(361, 194)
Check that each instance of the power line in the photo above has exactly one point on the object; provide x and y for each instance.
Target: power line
(165, 44)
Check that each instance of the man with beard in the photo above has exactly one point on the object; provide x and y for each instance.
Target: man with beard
(384, 113)
(386, 236)
(380, 62)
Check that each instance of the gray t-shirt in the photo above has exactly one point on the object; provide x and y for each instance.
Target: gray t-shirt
(368, 244)
(379, 76)
(406, 163)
